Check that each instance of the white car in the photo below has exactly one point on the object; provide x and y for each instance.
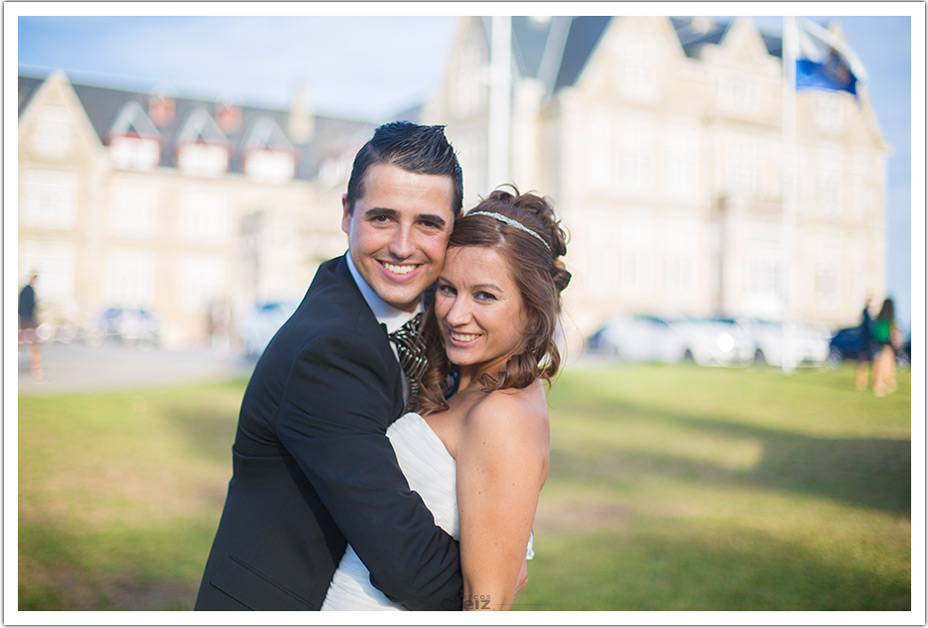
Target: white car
(638, 338)
(714, 341)
(257, 327)
(809, 346)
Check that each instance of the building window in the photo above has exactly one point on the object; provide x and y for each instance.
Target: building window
(637, 158)
(200, 282)
(638, 69)
(203, 160)
(133, 210)
(635, 272)
(135, 153)
(601, 171)
(681, 158)
(827, 287)
(270, 166)
(738, 92)
(54, 262)
(52, 137)
(634, 239)
(744, 167)
(131, 279)
(202, 216)
(49, 199)
(828, 184)
(828, 110)
(681, 236)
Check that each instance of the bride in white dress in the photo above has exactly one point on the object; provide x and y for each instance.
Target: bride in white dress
(480, 459)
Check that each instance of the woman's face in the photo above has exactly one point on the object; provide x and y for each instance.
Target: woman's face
(479, 309)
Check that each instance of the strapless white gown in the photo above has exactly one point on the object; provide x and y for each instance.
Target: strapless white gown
(430, 471)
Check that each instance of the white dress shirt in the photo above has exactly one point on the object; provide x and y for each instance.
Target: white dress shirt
(393, 318)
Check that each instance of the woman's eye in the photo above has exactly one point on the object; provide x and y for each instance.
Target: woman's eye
(486, 296)
(446, 290)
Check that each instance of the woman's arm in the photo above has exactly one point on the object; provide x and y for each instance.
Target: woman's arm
(502, 462)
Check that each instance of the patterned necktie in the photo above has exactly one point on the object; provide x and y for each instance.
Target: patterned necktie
(410, 348)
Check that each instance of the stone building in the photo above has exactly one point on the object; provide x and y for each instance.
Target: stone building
(192, 210)
(661, 141)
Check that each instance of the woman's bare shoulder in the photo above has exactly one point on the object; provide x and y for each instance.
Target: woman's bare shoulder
(521, 412)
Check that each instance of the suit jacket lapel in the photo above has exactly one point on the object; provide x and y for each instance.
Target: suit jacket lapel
(342, 271)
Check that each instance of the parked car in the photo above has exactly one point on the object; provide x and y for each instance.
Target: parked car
(638, 338)
(846, 344)
(714, 341)
(131, 326)
(810, 346)
(258, 326)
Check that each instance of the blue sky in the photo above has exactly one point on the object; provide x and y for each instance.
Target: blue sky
(370, 68)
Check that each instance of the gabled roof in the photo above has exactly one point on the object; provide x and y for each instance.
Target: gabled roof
(694, 33)
(200, 127)
(266, 134)
(553, 50)
(102, 105)
(132, 120)
(556, 50)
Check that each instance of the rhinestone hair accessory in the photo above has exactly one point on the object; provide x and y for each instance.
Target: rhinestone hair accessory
(512, 223)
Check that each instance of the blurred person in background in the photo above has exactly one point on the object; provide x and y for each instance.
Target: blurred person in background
(865, 355)
(28, 324)
(887, 336)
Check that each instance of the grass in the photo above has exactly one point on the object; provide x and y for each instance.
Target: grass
(671, 488)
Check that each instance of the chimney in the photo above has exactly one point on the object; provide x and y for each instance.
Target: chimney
(301, 123)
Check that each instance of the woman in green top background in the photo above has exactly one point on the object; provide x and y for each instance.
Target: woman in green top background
(885, 335)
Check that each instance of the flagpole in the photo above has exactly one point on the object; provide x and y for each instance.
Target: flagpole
(790, 188)
(500, 96)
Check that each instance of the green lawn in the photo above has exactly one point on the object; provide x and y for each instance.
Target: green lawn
(671, 488)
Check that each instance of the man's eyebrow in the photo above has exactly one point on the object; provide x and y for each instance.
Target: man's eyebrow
(380, 211)
(438, 220)
(386, 211)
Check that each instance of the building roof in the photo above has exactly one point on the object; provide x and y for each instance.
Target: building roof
(555, 50)
(104, 105)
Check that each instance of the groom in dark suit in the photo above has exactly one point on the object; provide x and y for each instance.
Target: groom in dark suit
(312, 466)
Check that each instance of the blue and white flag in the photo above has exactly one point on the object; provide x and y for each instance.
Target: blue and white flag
(824, 61)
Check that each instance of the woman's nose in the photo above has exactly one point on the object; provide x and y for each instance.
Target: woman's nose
(459, 312)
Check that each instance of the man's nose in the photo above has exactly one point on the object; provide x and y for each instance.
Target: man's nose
(403, 243)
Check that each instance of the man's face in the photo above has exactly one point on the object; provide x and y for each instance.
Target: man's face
(399, 230)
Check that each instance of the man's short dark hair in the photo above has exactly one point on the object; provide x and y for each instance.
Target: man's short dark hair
(414, 148)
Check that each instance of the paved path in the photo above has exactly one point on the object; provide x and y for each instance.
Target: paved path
(72, 368)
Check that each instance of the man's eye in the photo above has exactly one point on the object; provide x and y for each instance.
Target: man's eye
(380, 219)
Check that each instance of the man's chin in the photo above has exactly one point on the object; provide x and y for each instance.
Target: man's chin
(406, 299)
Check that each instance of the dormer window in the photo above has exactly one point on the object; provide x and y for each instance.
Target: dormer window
(229, 117)
(202, 148)
(161, 109)
(134, 141)
(269, 157)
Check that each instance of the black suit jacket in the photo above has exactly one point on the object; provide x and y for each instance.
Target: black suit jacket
(312, 468)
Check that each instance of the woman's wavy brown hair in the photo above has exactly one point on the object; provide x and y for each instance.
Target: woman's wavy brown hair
(539, 275)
